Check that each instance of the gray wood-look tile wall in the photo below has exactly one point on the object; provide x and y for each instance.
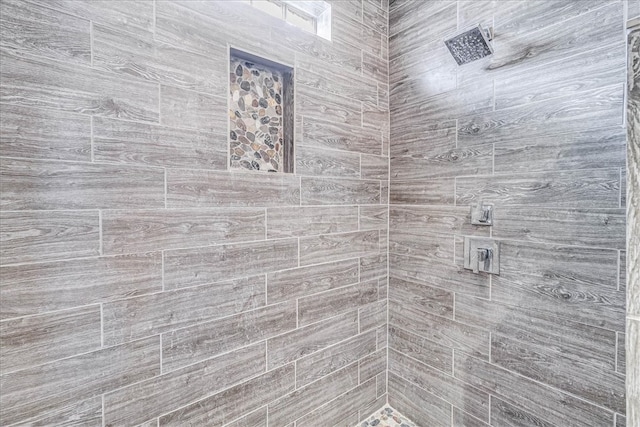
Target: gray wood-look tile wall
(537, 129)
(145, 284)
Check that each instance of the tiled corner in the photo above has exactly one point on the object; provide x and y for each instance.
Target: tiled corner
(386, 417)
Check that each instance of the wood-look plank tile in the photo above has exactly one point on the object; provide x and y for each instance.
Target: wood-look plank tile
(28, 28)
(234, 402)
(139, 55)
(374, 217)
(422, 191)
(345, 30)
(32, 236)
(435, 220)
(145, 230)
(190, 267)
(198, 188)
(333, 247)
(432, 62)
(373, 315)
(417, 404)
(256, 418)
(156, 396)
(583, 343)
(35, 392)
(421, 349)
(299, 282)
(549, 404)
(38, 82)
(342, 408)
(372, 267)
(375, 17)
(600, 386)
(320, 306)
(444, 386)
(310, 221)
(336, 83)
(86, 413)
(621, 420)
(375, 67)
(422, 245)
(339, 191)
(593, 188)
(38, 184)
(49, 286)
(116, 141)
(131, 15)
(203, 340)
(375, 167)
(375, 117)
(578, 284)
(600, 148)
(621, 356)
(309, 339)
(373, 365)
(503, 413)
(134, 318)
(580, 227)
(193, 110)
(593, 109)
(326, 134)
(417, 86)
(306, 399)
(335, 108)
(35, 340)
(440, 330)
(446, 275)
(431, 300)
(316, 161)
(323, 362)
(40, 133)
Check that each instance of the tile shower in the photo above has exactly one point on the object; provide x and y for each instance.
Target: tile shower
(149, 278)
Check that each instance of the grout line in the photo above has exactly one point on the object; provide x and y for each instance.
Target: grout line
(101, 325)
(622, 179)
(161, 361)
(102, 401)
(619, 267)
(162, 256)
(100, 243)
(160, 104)
(166, 187)
(91, 43)
(91, 138)
(615, 369)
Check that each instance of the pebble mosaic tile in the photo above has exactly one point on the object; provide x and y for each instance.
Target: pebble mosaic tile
(255, 112)
(386, 417)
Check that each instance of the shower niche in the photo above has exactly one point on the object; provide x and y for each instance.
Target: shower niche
(261, 114)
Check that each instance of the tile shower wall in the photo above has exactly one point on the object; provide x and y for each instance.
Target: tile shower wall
(143, 283)
(537, 130)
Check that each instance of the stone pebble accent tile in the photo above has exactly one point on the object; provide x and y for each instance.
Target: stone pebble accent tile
(255, 114)
(386, 417)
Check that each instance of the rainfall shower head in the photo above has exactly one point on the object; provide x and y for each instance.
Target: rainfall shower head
(470, 45)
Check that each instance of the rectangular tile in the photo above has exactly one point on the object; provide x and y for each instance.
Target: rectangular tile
(87, 413)
(444, 386)
(577, 284)
(422, 245)
(331, 107)
(599, 148)
(299, 282)
(422, 191)
(373, 315)
(306, 399)
(581, 342)
(309, 339)
(190, 267)
(35, 340)
(156, 396)
(591, 383)
(375, 67)
(417, 404)
(503, 413)
(376, 17)
(234, 402)
(44, 236)
(201, 341)
(443, 331)
(198, 188)
(341, 407)
(421, 349)
(594, 109)
(41, 133)
(333, 247)
(316, 161)
(431, 76)
(594, 188)
(339, 191)
(140, 56)
(37, 184)
(37, 82)
(148, 315)
(320, 306)
(192, 110)
(432, 300)
(580, 227)
(333, 136)
(621, 356)
(373, 365)
(452, 277)
(29, 28)
(35, 392)
(256, 418)
(334, 83)
(374, 217)
(49, 286)
(146, 230)
(349, 31)
(117, 141)
(373, 267)
(550, 404)
(435, 220)
(306, 221)
(375, 167)
(323, 362)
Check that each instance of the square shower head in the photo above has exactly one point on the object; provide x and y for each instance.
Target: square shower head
(470, 45)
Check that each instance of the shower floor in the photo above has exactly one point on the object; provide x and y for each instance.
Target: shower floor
(386, 417)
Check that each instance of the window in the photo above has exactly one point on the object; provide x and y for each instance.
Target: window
(312, 16)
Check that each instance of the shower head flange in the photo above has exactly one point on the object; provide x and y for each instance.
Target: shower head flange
(470, 45)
